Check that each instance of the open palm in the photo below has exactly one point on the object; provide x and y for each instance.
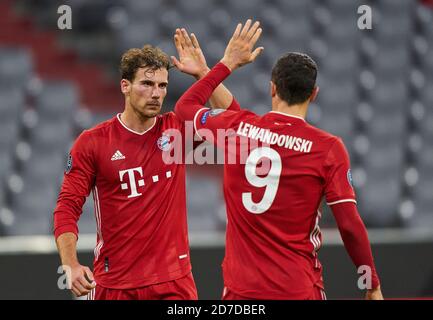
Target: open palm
(191, 59)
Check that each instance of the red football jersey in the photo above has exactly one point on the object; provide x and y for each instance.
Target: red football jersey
(273, 192)
(140, 205)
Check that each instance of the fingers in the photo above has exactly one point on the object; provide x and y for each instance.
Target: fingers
(256, 53)
(186, 38)
(79, 290)
(256, 36)
(237, 31)
(253, 30)
(244, 31)
(88, 275)
(195, 41)
(175, 62)
(181, 38)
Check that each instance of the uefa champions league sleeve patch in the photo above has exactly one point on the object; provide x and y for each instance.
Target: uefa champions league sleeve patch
(349, 177)
(204, 117)
(69, 164)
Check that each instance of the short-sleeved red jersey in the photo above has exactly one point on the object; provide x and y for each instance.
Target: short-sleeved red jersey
(140, 205)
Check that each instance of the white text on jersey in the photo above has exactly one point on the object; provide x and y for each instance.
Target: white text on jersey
(269, 137)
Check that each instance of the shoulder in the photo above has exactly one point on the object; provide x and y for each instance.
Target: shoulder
(169, 119)
(101, 129)
(326, 137)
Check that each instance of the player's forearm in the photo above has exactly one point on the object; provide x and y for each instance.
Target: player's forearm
(67, 247)
(355, 237)
(221, 98)
(196, 96)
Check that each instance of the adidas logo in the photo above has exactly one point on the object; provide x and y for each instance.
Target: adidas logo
(117, 156)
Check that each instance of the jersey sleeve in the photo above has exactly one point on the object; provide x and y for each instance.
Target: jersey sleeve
(338, 177)
(207, 123)
(78, 180)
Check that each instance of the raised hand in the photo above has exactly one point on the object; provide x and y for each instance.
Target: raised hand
(239, 50)
(191, 58)
(374, 294)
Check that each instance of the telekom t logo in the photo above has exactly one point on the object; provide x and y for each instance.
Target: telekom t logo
(132, 183)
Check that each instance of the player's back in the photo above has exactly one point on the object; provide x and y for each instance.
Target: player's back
(273, 205)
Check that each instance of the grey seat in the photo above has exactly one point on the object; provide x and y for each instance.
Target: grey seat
(390, 96)
(343, 31)
(9, 133)
(392, 29)
(44, 168)
(338, 97)
(384, 158)
(392, 61)
(426, 126)
(135, 34)
(51, 136)
(203, 203)
(33, 209)
(339, 61)
(387, 128)
(11, 104)
(423, 194)
(87, 222)
(57, 100)
(397, 6)
(5, 164)
(378, 201)
(294, 33)
(16, 66)
(424, 158)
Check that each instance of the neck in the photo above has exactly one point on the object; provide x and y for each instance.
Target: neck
(298, 110)
(134, 121)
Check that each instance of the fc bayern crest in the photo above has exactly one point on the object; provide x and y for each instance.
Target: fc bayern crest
(163, 143)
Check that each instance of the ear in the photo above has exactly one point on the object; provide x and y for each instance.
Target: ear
(314, 94)
(273, 89)
(125, 86)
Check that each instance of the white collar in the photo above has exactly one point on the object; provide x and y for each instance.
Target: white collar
(130, 130)
(287, 115)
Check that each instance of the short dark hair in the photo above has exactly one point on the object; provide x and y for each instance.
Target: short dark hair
(148, 56)
(294, 76)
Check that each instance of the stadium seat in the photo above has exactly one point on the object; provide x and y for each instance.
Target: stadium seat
(45, 168)
(32, 208)
(12, 103)
(57, 100)
(51, 136)
(387, 127)
(390, 96)
(16, 66)
(204, 202)
(384, 158)
(87, 222)
(378, 201)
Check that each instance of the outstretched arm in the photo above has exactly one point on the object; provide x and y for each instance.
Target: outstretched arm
(355, 239)
(239, 52)
(192, 61)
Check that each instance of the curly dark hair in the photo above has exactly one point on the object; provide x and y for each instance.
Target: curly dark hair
(294, 76)
(148, 56)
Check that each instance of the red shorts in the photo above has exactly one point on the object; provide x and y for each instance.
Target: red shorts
(317, 294)
(179, 289)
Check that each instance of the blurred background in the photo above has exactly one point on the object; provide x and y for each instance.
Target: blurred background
(376, 92)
